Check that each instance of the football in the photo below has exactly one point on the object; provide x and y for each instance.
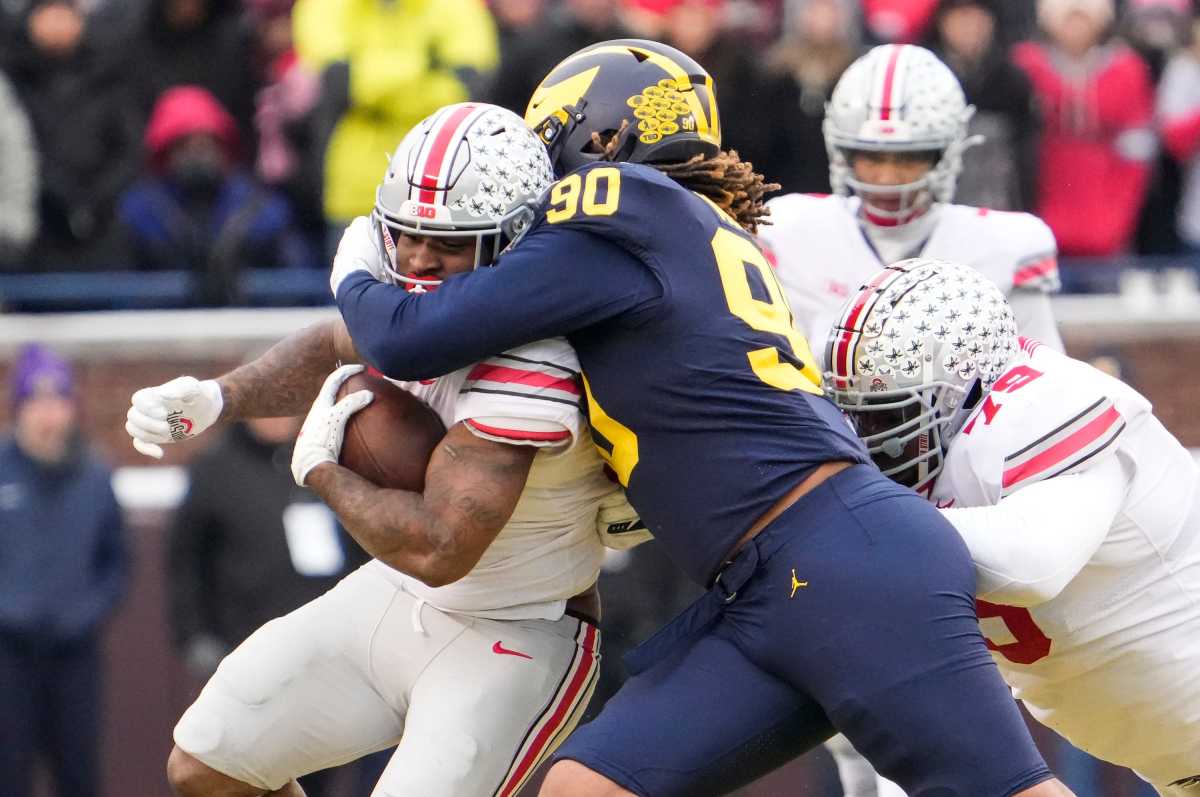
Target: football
(389, 442)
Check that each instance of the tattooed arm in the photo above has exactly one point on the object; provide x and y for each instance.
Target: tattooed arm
(471, 488)
(286, 378)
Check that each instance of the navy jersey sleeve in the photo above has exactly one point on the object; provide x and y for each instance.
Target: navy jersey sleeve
(556, 281)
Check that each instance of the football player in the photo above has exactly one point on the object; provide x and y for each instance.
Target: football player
(471, 640)
(896, 130)
(1079, 508)
(822, 610)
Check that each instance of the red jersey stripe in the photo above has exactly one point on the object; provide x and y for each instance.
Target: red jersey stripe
(519, 434)
(432, 167)
(1064, 449)
(587, 662)
(1033, 271)
(519, 376)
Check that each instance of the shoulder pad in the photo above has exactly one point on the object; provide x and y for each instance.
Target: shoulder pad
(1020, 242)
(529, 395)
(790, 210)
(1046, 416)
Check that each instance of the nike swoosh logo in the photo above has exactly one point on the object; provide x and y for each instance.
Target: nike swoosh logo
(498, 648)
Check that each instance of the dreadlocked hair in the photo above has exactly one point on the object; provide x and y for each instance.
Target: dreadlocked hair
(730, 182)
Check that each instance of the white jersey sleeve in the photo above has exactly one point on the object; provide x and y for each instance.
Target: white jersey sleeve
(1017, 561)
(527, 396)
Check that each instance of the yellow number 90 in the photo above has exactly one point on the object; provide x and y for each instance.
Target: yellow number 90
(565, 195)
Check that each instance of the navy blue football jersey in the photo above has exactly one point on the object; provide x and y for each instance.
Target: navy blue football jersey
(702, 395)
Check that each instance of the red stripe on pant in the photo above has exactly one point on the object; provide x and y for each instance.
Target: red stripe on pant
(562, 712)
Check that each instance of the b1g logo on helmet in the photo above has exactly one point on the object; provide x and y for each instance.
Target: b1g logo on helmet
(424, 212)
(661, 110)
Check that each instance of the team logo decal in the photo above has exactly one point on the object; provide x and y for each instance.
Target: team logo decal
(661, 111)
(180, 426)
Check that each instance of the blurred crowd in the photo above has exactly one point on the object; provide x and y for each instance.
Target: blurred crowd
(211, 135)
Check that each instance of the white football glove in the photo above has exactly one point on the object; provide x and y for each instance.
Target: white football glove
(359, 250)
(618, 524)
(324, 429)
(173, 411)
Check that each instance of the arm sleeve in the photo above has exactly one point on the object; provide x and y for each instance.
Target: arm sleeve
(1028, 547)
(1035, 317)
(556, 281)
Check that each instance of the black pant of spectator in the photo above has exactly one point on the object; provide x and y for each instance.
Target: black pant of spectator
(49, 710)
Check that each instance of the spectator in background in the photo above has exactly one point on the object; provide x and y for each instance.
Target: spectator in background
(1096, 102)
(87, 127)
(821, 38)
(696, 27)
(385, 66)
(568, 26)
(898, 21)
(514, 18)
(1156, 29)
(247, 545)
(62, 569)
(196, 209)
(207, 43)
(18, 179)
(1000, 172)
(1179, 121)
(289, 155)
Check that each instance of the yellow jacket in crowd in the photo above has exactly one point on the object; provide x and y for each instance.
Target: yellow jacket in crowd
(405, 58)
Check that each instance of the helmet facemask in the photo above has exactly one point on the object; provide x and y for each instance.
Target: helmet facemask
(488, 243)
(907, 431)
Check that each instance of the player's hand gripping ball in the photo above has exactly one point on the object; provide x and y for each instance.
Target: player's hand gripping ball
(390, 442)
(371, 426)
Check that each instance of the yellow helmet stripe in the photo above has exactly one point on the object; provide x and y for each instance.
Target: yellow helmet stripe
(703, 127)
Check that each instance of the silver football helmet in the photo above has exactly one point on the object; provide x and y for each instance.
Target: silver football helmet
(913, 352)
(898, 98)
(467, 169)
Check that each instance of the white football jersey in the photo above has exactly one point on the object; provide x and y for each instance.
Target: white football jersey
(1113, 661)
(549, 550)
(823, 254)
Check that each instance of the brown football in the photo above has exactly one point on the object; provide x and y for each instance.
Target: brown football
(389, 441)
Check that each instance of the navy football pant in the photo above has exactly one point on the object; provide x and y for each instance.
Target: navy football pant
(854, 611)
